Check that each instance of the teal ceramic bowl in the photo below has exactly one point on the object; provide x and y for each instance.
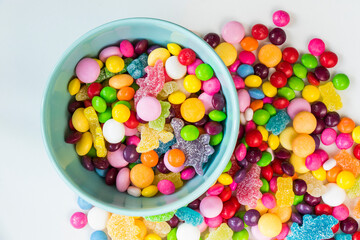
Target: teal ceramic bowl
(55, 116)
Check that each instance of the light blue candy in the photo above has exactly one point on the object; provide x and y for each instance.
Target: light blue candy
(256, 93)
(101, 172)
(98, 235)
(137, 67)
(84, 205)
(245, 70)
(343, 236)
(278, 123)
(190, 216)
(164, 147)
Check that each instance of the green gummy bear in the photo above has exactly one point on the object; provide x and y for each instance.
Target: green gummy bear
(159, 123)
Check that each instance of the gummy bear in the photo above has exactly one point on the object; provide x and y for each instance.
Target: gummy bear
(137, 67)
(222, 232)
(164, 147)
(150, 137)
(343, 236)
(315, 187)
(277, 123)
(285, 194)
(316, 228)
(122, 228)
(330, 98)
(356, 211)
(161, 217)
(169, 88)
(152, 84)
(248, 190)
(82, 94)
(354, 191)
(190, 216)
(347, 162)
(160, 228)
(175, 178)
(196, 152)
(159, 123)
(96, 131)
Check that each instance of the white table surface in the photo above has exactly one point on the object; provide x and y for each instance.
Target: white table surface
(34, 202)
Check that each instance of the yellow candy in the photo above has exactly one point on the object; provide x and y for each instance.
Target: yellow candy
(284, 213)
(284, 195)
(115, 64)
(319, 174)
(121, 113)
(192, 110)
(356, 134)
(149, 191)
(150, 137)
(158, 54)
(122, 227)
(273, 141)
(225, 179)
(330, 97)
(270, 225)
(175, 178)
(141, 225)
(298, 163)
(79, 120)
(174, 48)
(268, 89)
(82, 94)
(84, 145)
(270, 55)
(345, 179)
(253, 81)
(227, 52)
(177, 97)
(303, 145)
(286, 137)
(192, 84)
(169, 88)
(264, 132)
(180, 87)
(310, 93)
(120, 81)
(152, 236)
(159, 228)
(101, 64)
(74, 86)
(259, 207)
(96, 131)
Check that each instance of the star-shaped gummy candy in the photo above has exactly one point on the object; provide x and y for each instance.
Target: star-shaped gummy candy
(150, 137)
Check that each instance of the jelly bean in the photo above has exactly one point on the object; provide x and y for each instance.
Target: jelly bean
(121, 80)
(177, 97)
(79, 120)
(322, 73)
(141, 46)
(256, 105)
(211, 86)
(261, 117)
(277, 36)
(149, 191)
(280, 103)
(249, 44)
(225, 179)
(74, 86)
(192, 84)
(259, 31)
(349, 225)
(253, 81)
(286, 68)
(245, 70)
(158, 54)
(268, 89)
(166, 187)
(84, 145)
(108, 52)
(290, 55)
(212, 128)
(287, 93)
(173, 48)
(227, 52)
(296, 83)
(125, 94)
(340, 212)
(328, 59)
(126, 48)
(115, 64)
(212, 39)
(233, 32)
(110, 177)
(217, 116)
(319, 174)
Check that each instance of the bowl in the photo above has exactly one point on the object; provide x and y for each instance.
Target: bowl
(88, 185)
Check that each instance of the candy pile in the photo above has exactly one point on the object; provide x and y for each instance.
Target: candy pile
(281, 182)
(146, 136)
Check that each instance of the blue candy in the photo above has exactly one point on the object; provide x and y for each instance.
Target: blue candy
(277, 123)
(245, 70)
(313, 228)
(101, 172)
(137, 67)
(98, 235)
(343, 236)
(189, 216)
(84, 205)
(256, 93)
(164, 147)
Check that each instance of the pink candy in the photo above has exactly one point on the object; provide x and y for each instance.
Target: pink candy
(215, 190)
(322, 154)
(108, 52)
(87, 70)
(188, 173)
(244, 99)
(340, 212)
(206, 99)
(191, 68)
(281, 18)
(250, 125)
(247, 57)
(233, 32)
(344, 141)
(78, 220)
(273, 184)
(316, 46)
(211, 86)
(126, 48)
(268, 200)
(233, 186)
(168, 165)
(132, 140)
(211, 207)
(313, 162)
(328, 136)
(130, 131)
(123, 180)
(298, 105)
(284, 232)
(214, 222)
(166, 187)
(240, 152)
(116, 158)
(234, 66)
(148, 108)
(238, 81)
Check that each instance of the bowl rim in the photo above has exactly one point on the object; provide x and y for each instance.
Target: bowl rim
(207, 183)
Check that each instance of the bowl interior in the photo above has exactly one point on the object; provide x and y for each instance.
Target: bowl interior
(55, 118)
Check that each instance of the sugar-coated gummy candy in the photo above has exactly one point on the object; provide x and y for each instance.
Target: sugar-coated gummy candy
(160, 228)
(122, 228)
(187, 232)
(169, 88)
(347, 162)
(330, 97)
(97, 218)
(164, 147)
(354, 191)
(277, 123)
(315, 187)
(248, 190)
(150, 138)
(190, 216)
(222, 232)
(343, 236)
(98, 235)
(96, 131)
(284, 194)
(159, 123)
(84, 205)
(161, 217)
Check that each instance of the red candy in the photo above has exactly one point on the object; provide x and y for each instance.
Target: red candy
(312, 79)
(278, 79)
(286, 68)
(94, 90)
(225, 194)
(263, 146)
(186, 56)
(356, 236)
(328, 59)
(280, 103)
(290, 55)
(235, 203)
(253, 138)
(71, 126)
(259, 31)
(267, 172)
(228, 210)
(87, 103)
(335, 228)
(323, 208)
(132, 122)
(356, 151)
(276, 166)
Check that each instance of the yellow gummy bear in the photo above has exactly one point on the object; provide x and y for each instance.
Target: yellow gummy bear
(330, 98)
(285, 194)
(150, 137)
(315, 187)
(175, 178)
(82, 94)
(122, 228)
(160, 228)
(169, 88)
(96, 131)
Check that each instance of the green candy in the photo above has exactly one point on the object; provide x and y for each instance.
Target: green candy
(189, 132)
(161, 217)
(341, 81)
(92, 152)
(131, 165)
(217, 115)
(108, 94)
(244, 142)
(204, 72)
(261, 117)
(123, 102)
(135, 86)
(265, 187)
(104, 74)
(172, 234)
(270, 108)
(216, 139)
(104, 116)
(299, 70)
(309, 61)
(228, 166)
(287, 93)
(265, 159)
(99, 104)
(296, 84)
(298, 199)
(242, 235)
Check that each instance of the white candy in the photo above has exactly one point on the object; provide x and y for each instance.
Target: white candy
(242, 118)
(97, 218)
(187, 232)
(329, 164)
(180, 83)
(249, 113)
(334, 195)
(113, 131)
(134, 191)
(174, 68)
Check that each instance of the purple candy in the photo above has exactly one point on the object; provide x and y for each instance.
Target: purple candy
(240, 175)
(218, 101)
(236, 224)
(332, 119)
(251, 217)
(282, 154)
(304, 208)
(73, 137)
(253, 155)
(296, 217)
(141, 46)
(349, 225)
(318, 109)
(288, 168)
(212, 39)
(110, 177)
(261, 70)
(173, 222)
(194, 204)
(299, 187)
(161, 166)
(75, 105)
(87, 163)
(152, 48)
(130, 154)
(213, 128)
(322, 73)
(311, 200)
(101, 163)
(277, 36)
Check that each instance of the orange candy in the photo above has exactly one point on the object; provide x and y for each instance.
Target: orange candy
(121, 80)
(125, 94)
(256, 104)
(201, 130)
(249, 44)
(141, 176)
(284, 213)
(270, 55)
(143, 229)
(303, 145)
(176, 158)
(346, 125)
(332, 174)
(149, 159)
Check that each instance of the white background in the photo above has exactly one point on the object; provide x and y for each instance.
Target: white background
(34, 202)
